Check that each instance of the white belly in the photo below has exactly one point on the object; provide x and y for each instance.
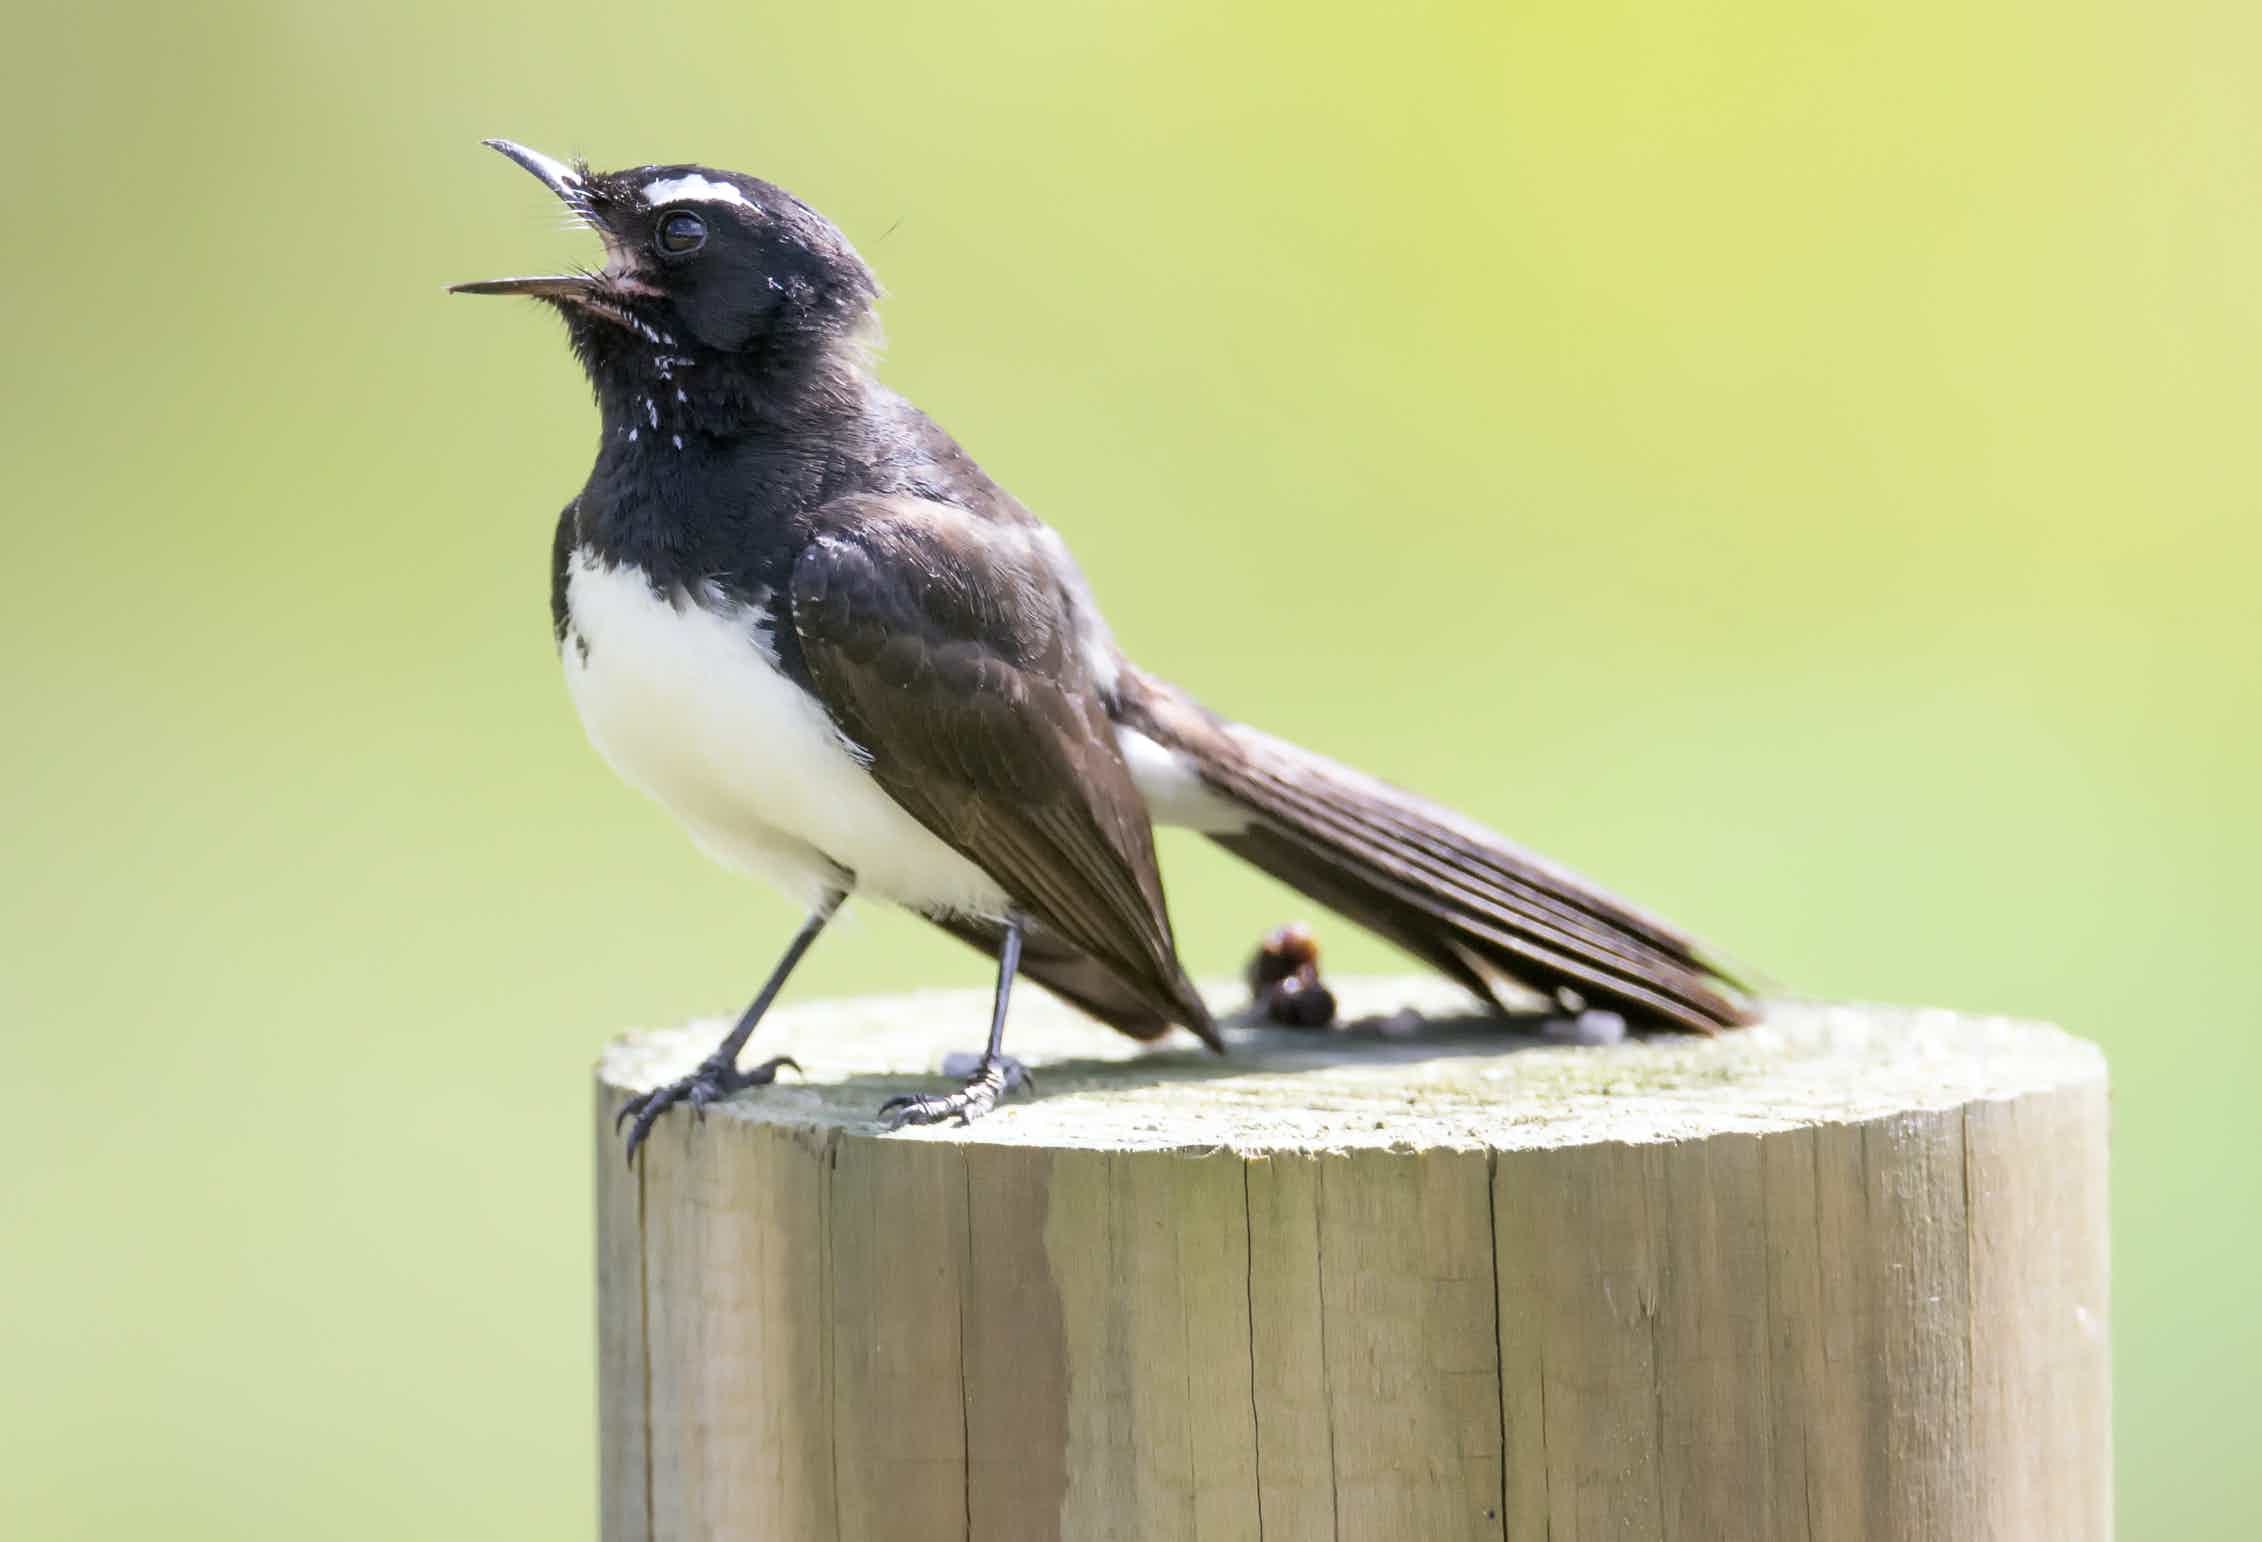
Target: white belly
(686, 703)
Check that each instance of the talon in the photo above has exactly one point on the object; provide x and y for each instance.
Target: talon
(990, 1082)
(895, 1113)
(645, 1119)
(711, 1083)
(901, 1110)
(630, 1109)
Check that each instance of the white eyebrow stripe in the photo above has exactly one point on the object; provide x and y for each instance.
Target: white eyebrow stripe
(694, 188)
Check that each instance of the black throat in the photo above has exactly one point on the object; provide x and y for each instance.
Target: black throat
(651, 375)
(709, 460)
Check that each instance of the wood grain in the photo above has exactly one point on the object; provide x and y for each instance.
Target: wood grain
(1842, 1275)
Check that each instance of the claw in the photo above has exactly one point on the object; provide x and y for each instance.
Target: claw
(897, 1112)
(990, 1081)
(710, 1083)
(646, 1117)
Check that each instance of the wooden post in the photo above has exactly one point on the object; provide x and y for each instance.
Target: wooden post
(1842, 1275)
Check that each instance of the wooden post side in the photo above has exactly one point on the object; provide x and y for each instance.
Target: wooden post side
(1840, 1276)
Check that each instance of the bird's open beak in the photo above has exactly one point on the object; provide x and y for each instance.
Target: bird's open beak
(550, 286)
(567, 183)
(557, 176)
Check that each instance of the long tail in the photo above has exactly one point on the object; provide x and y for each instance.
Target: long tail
(1472, 904)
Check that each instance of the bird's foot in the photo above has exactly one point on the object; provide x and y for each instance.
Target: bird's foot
(712, 1082)
(991, 1080)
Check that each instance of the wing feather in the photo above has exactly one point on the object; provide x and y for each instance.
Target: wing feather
(939, 645)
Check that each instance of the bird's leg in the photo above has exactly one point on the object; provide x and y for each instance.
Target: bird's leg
(992, 1076)
(718, 1076)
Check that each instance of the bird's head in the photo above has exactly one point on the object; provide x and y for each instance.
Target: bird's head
(698, 262)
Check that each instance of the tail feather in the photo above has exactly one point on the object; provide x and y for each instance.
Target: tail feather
(1401, 837)
(1458, 896)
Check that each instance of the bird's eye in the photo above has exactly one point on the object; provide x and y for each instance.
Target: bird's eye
(681, 232)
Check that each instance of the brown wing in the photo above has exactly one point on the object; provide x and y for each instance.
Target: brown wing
(944, 645)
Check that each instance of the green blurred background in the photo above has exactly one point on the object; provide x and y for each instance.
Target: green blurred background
(1796, 462)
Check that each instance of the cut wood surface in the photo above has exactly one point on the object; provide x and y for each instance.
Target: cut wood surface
(1839, 1275)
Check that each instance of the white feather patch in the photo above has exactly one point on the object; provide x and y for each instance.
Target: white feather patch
(694, 189)
(1174, 790)
(686, 702)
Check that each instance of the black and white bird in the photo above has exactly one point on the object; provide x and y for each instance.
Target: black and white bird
(795, 612)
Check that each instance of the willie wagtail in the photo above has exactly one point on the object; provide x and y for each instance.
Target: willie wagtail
(795, 612)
